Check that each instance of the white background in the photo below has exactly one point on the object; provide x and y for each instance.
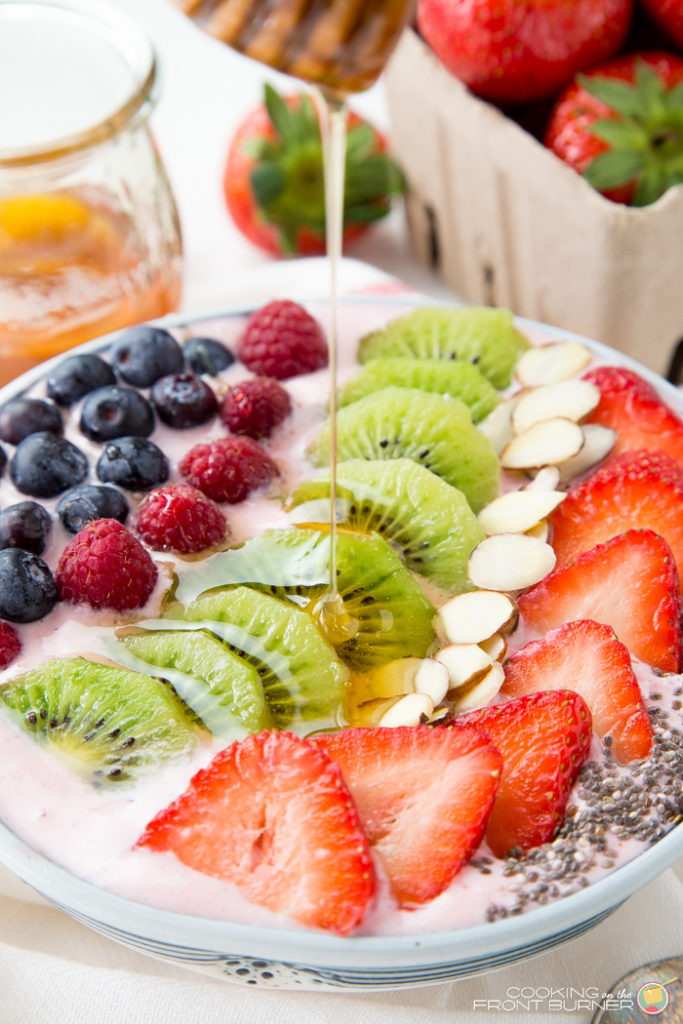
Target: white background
(206, 90)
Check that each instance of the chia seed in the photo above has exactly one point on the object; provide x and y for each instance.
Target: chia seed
(641, 802)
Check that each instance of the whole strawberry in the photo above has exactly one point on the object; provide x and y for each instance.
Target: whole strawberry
(255, 407)
(282, 340)
(180, 518)
(273, 180)
(621, 127)
(511, 51)
(669, 14)
(105, 566)
(228, 469)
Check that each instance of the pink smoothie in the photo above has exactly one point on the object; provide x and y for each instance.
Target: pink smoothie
(92, 832)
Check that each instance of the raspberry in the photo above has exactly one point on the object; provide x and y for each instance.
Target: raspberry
(105, 566)
(282, 340)
(180, 518)
(228, 469)
(10, 644)
(255, 407)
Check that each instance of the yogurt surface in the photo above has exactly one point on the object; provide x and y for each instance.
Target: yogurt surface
(613, 814)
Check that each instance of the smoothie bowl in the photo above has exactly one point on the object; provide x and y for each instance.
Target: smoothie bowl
(465, 753)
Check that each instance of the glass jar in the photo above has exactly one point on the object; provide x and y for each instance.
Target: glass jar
(89, 234)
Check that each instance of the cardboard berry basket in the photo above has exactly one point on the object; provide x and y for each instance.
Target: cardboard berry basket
(506, 223)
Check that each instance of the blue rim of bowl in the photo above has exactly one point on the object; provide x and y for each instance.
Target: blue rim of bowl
(516, 934)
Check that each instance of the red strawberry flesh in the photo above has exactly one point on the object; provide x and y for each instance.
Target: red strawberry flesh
(630, 583)
(423, 796)
(544, 739)
(632, 407)
(587, 657)
(271, 814)
(634, 490)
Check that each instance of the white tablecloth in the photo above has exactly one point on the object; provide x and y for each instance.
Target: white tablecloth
(56, 971)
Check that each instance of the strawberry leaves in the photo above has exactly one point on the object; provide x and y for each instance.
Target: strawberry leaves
(286, 173)
(644, 134)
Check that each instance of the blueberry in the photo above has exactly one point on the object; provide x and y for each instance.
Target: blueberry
(46, 464)
(116, 411)
(88, 502)
(23, 416)
(134, 463)
(184, 400)
(144, 354)
(27, 587)
(78, 376)
(208, 356)
(25, 525)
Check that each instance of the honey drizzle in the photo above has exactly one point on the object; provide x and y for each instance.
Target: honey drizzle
(334, 619)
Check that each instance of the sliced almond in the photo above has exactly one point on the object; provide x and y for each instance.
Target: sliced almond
(518, 511)
(571, 399)
(438, 715)
(546, 479)
(432, 679)
(475, 616)
(598, 443)
(371, 712)
(541, 531)
(497, 426)
(469, 698)
(495, 647)
(393, 679)
(510, 561)
(547, 364)
(548, 443)
(409, 710)
(465, 663)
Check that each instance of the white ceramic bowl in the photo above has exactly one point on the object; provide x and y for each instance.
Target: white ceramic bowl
(300, 959)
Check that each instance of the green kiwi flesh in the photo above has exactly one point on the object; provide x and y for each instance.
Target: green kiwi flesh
(426, 520)
(222, 689)
(482, 335)
(303, 681)
(110, 724)
(394, 618)
(447, 377)
(435, 431)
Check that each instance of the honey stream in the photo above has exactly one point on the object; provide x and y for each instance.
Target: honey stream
(331, 613)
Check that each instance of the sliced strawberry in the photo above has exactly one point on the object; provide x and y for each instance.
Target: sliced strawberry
(423, 795)
(634, 490)
(630, 583)
(544, 739)
(271, 814)
(632, 407)
(587, 657)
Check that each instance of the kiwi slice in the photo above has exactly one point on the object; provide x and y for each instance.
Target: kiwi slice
(302, 679)
(390, 614)
(429, 522)
(446, 377)
(223, 690)
(111, 724)
(476, 334)
(434, 430)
